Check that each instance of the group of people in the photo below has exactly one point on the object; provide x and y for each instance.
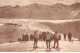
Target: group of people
(48, 37)
(69, 36)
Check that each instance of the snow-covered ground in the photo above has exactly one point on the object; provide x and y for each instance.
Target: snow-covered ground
(28, 25)
(64, 46)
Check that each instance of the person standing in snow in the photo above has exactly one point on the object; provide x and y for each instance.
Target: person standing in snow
(57, 37)
(35, 37)
(69, 36)
(64, 36)
(48, 40)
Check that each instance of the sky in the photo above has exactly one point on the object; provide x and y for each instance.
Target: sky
(27, 2)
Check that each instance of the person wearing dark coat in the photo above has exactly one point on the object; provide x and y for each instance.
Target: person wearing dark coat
(69, 36)
(64, 36)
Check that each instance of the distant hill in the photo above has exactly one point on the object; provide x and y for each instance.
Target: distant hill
(75, 6)
(38, 11)
(10, 32)
(66, 27)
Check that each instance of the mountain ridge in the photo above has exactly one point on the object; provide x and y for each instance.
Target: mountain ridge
(57, 11)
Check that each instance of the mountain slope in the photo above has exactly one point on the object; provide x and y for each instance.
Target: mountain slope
(38, 11)
(11, 33)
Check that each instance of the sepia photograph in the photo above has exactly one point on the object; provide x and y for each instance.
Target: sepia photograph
(39, 25)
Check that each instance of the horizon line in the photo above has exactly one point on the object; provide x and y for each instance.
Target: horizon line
(38, 3)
